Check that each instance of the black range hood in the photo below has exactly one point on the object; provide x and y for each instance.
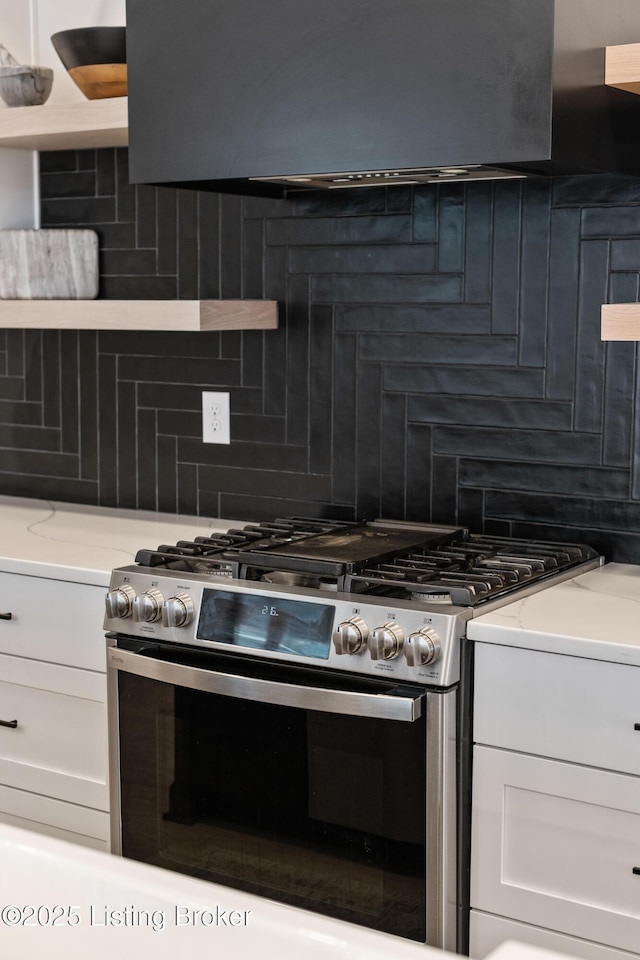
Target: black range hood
(275, 96)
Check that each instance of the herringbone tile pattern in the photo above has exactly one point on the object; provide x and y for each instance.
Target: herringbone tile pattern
(439, 357)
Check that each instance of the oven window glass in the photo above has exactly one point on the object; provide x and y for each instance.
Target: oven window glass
(321, 811)
(266, 623)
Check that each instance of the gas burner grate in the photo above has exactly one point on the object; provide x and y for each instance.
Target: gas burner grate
(419, 562)
(218, 554)
(468, 572)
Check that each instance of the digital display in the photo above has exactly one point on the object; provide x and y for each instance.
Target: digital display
(266, 623)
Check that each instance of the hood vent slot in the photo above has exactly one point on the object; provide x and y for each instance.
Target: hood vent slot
(387, 178)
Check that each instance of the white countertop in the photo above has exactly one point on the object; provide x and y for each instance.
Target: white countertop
(70, 541)
(65, 902)
(594, 615)
(110, 907)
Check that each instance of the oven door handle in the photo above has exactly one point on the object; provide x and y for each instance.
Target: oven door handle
(383, 706)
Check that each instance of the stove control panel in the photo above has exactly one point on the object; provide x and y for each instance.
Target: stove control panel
(349, 632)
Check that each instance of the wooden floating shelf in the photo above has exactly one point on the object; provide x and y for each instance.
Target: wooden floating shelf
(620, 321)
(69, 126)
(152, 315)
(622, 67)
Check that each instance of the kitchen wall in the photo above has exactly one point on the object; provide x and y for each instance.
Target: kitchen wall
(439, 357)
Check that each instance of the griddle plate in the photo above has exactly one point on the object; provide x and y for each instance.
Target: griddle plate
(347, 550)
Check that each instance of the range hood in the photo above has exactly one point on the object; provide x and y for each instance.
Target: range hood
(280, 96)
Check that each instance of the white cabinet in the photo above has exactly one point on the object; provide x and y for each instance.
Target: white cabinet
(52, 620)
(53, 725)
(556, 802)
(488, 931)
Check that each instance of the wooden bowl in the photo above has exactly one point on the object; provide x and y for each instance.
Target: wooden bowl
(95, 58)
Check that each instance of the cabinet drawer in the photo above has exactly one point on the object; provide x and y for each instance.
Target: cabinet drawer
(487, 932)
(67, 821)
(59, 745)
(557, 706)
(52, 620)
(555, 845)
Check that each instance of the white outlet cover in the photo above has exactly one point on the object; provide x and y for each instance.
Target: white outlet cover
(216, 427)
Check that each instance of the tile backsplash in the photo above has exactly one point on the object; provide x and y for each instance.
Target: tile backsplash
(439, 357)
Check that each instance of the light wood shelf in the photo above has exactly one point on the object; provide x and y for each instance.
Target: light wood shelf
(94, 124)
(151, 315)
(622, 67)
(620, 321)
(70, 126)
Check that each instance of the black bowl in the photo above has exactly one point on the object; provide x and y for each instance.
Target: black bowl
(95, 58)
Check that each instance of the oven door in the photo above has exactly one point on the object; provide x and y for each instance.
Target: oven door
(322, 791)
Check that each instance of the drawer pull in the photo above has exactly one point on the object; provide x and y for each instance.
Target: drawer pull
(6, 616)
(636, 726)
(9, 723)
(636, 870)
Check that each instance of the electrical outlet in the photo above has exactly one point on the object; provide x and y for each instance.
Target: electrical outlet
(215, 418)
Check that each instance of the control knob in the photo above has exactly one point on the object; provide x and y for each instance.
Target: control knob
(177, 611)
(422, 647)
(119, 602)
(350, 636)
(147, 607)
(385, 642)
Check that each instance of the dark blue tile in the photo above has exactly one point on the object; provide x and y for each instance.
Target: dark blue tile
(532, 446)
(394, 228)
(508, 412)
(419, 473)
(147, 218)
(361, 259)
(478, 243)
(545, 479)
(451, 217)
(594, 262)
(413, 318)
(595, 512)
(167, 499)
(298, 361)
(563, 304)
(534, 272)
(187, 230)
(619, 413)
(444, 496)
(369, 441)
(393, 445)
(507, 239)
(438, 349)
(231, 248)
(344, 422)
(68, 185)
(587, 190)
(464, 380)
(609, 221)
(425, 215)
(209, 245)
(320, 386)
(625, 255)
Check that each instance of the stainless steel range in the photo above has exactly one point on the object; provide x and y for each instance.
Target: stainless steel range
(287, 710)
